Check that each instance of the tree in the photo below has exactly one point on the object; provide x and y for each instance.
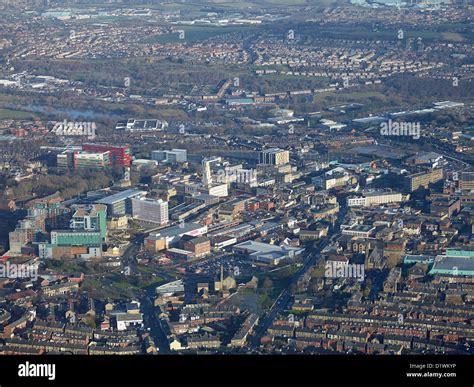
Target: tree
(267, 283)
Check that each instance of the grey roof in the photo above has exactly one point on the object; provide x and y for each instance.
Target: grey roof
(112, 199)
(264, 247)
(176, 230)
(449, 263)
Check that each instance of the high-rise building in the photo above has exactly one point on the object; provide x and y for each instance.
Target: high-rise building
(74, 160)
(65, 160)
(424, 179)
(43, 214)
(149, 210)
(94, 156)
(119, 154)
(274, 156)
(83, 160)
(206, 174)
(84, 238)
(206, 170)
(90, 217)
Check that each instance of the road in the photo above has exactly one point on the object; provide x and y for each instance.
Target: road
(281, 302)
(153, 322)
(284, 297)
(148, 309)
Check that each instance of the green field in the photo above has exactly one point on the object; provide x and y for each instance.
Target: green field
(193, 34)
(8, 114)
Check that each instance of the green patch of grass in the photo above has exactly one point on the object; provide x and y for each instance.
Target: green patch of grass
(9, 114)
(193, 34)
(172, 114)
(124, 285)
(150, 281)
(92, 283)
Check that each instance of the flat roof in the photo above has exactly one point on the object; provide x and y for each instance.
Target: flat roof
(129, 317)
(361, 227)
(176, 230)
(120, 196)
(264, 247)
(447, 264)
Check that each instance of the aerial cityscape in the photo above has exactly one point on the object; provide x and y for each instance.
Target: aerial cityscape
(236, 177)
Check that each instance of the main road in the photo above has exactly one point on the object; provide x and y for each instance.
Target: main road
(284, 297)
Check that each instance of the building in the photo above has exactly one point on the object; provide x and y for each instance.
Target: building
(119, 155)
(266, 253)
(121, 203)
(164, 238)
(170, 156)
(335, 178)
(274, 156)
(19, 238)
(94, 156)
(359, 230)
(218, 190)
(224, 284)
(86, 160)
(204, 341)
(90, 217)
(232, 208)
(65, 160)
(180, 254)
(200, 246)
(424, 179)
(184, 210)
(42, 215)
(240, 338)
(170, 288)
(74, 160)
(139, 164)
(393, 279)
(72, 244)
(311, 235)
(445, 206)
(431, 158)
(376, 198)
(456, 262)
(150, 210)
(206, 170)
(207, 185)
(51, 251)
(75, 238)
(129, 320)
(466, 182)
(134, 125)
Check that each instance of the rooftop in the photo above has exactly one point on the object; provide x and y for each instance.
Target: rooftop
(112, 199)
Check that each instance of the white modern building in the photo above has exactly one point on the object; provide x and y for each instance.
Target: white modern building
(129, 320)
(170, 156)
(376, 198)
(150, 210)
